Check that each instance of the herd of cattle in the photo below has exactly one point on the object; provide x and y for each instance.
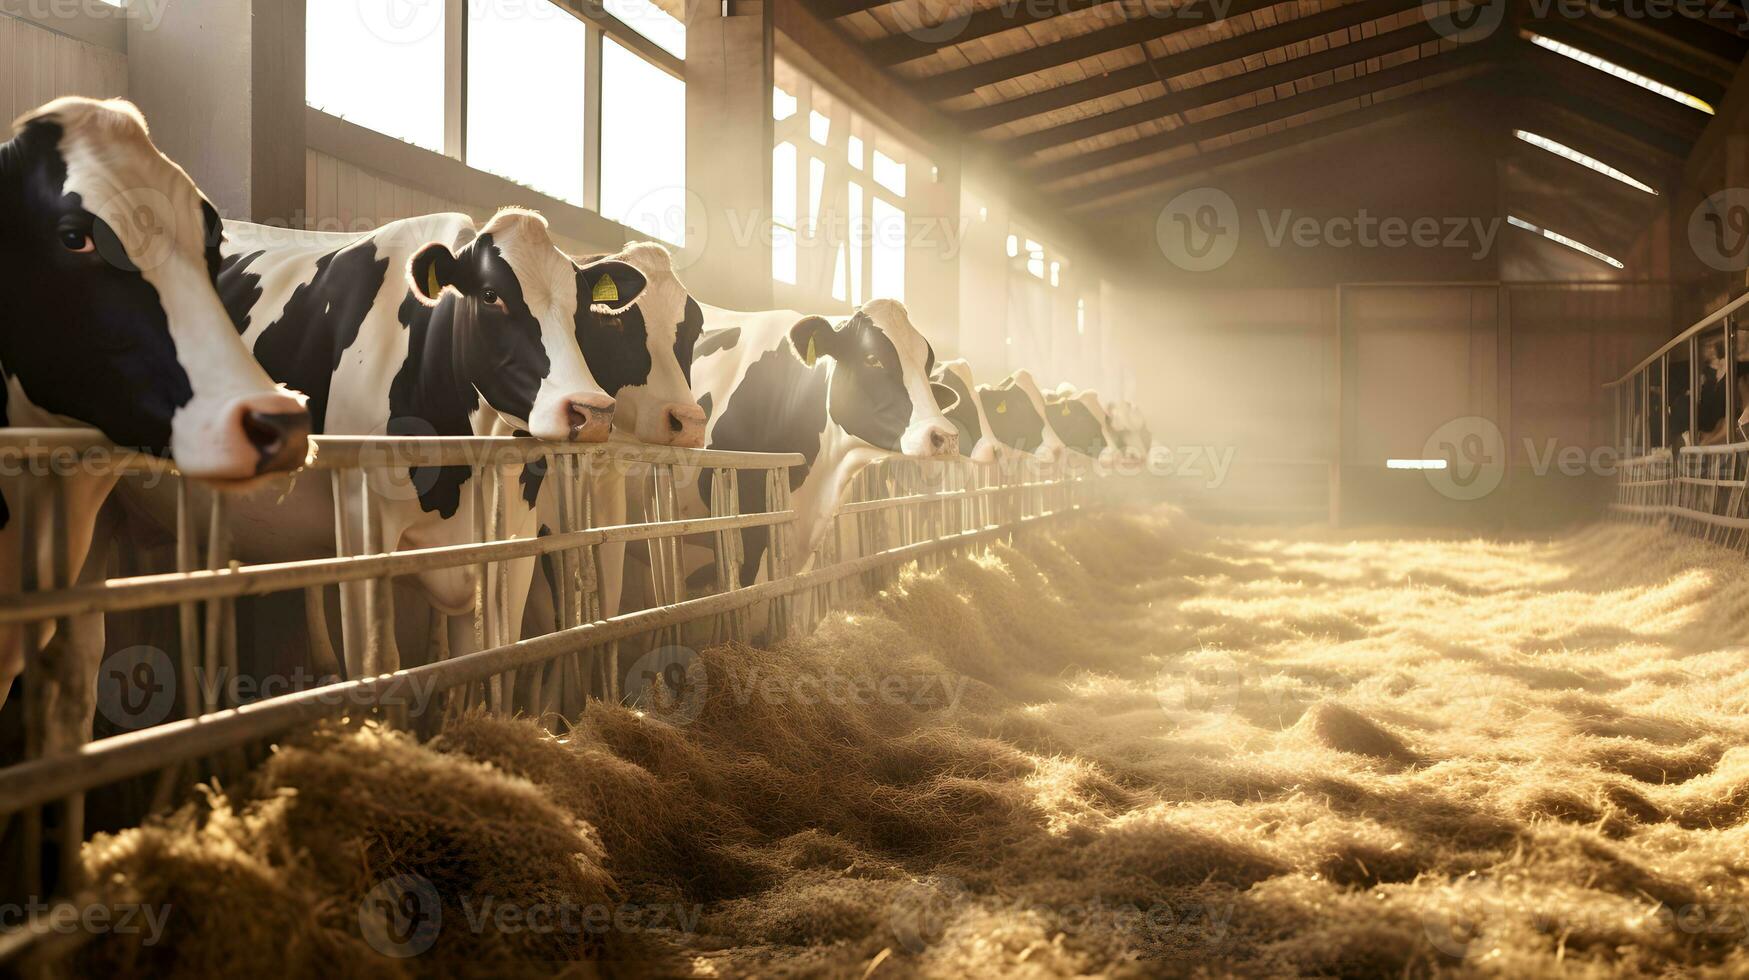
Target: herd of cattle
(136, 310)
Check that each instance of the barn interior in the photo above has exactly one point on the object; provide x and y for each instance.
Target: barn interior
(1408, 644)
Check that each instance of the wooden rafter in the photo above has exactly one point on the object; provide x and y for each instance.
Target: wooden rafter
(1243, 119)
(1007, 15)
(1094, 197)
(1201, 96)
(1190, 15)
(1607, 47)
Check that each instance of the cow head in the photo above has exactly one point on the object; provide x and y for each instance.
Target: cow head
(1016, 410)
(643, 355)
(509, 300)
(112, 318)
(1080, 421)
(878, 389)
(1133, 438)
(967, 414)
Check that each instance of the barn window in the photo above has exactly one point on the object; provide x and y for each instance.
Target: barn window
(643, 144)
(405, 52)
(525, 95)
(1573, 244)
(783, 213)
(652, 22)
(1609, 67)
(1583, 160)
(1415, 464)
(888, 235)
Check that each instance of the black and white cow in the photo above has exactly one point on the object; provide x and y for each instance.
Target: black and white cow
(1079, 420)
(643, 358)
(841, 395)
(967, 414)
(1016, 411)
(1134, 439)
(426, 326)
(109, 255)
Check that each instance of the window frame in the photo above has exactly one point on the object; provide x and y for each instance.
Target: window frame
(599, 24)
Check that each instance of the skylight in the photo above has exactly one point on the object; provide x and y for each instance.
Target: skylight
(1610, 67)
(1577, 246)
(1583, 160)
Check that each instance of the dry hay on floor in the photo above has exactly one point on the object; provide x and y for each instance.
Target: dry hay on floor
(1130, 747)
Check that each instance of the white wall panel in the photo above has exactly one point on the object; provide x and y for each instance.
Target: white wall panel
(37, 65)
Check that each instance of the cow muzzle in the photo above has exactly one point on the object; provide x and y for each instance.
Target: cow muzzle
(932, 440)
(575, 418)
(682, 426)
(251, 436)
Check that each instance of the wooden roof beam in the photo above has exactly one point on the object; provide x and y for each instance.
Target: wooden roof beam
(1243, 119)
(1188, 15)
(1107, 193)
(1201, 96)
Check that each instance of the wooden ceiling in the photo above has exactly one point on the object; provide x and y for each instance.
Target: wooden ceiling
(1097, 101)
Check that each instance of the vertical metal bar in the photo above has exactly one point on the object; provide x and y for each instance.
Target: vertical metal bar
(212, 681)
(1731, 406)
(1694, 391)
(35, 720)
(1664, 401)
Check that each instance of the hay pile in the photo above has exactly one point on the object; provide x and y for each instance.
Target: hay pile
(1128, 748)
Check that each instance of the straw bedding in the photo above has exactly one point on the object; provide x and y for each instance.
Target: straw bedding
(1130, 747)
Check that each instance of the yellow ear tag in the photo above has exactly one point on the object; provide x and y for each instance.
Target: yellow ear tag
(432, 286)
(606, 291)
(813, 355)
(1002, 408)
(1065, 410)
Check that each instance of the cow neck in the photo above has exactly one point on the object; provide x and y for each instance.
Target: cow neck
(432, 386)
(842, 456)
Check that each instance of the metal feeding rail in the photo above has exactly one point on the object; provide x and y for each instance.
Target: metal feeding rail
(1677, 467)
(901, 511)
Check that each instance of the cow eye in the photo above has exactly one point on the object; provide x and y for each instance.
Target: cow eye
(74, 240)
(871, 360)
(490, 297)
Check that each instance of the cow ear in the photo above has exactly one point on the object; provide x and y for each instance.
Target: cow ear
(612, 287)
(430, 270)
(945, 398)
(812, 337)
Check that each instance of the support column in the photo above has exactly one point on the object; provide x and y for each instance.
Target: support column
(222, 84)
(728, 151)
